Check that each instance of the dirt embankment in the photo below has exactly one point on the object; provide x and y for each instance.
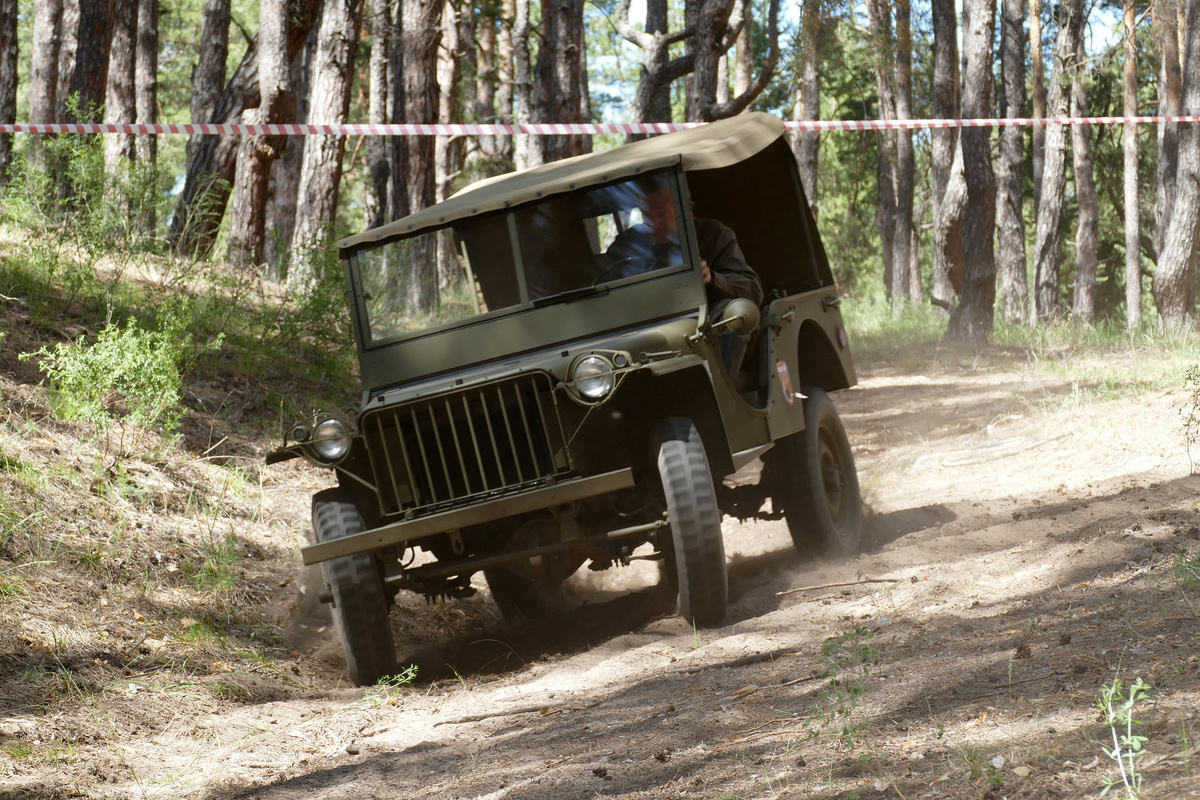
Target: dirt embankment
(1029, 542)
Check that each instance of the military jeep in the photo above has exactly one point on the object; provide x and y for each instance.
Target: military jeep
(531, 403)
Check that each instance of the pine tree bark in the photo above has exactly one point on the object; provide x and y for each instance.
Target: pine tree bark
(1170, 104)
(147, 98)
(903, 279)
(1087, 231)
(1172, 285)
(505, 80)
(652, 97)
(277, 105)
(1133, 260)
(68, 44)
(807, 101)
(949, 197)
(525, 150)
(43, 70)
(1038, 80)
(285, 174)
(212, 168)
(559, 80)
(8, 83)
(893, 244)
(208, 76)
(973, 318)
(321, 172)
(1013, 285)
(379, 27)
(1047, 255)
(120, 104)
(89, 69)
(448, 151)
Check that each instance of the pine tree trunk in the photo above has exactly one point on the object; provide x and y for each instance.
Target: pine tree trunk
(285, 175)
(1133, 259)
(120, 105)
(893, 243)
(89, 73)
(1172, 284)
(43, 70)
(1047, 254)
(709, 19)
(212, 167)
(1087, 231)
(905, 160)
(321, 172)
(948, 206)
(277, 105)
(379, 27)
(8, 83)
(448, 152)
(744, 63)
(973, 317)
(68, 44)
(1170, 104)
(203, 198)
(505, 78)
(1013, 285)
(147, 99)
(560, 83)
(1038, 79)
(526, 152)
(807, 103)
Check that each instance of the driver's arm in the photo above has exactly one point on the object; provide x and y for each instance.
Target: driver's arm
(731, 276)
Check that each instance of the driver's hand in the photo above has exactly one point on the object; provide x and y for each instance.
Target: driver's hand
(705, 273)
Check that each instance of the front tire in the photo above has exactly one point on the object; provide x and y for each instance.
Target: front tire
(816, 482)
(359, 601)
(695, 519)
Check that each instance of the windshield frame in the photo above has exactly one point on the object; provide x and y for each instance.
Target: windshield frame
(354, 264)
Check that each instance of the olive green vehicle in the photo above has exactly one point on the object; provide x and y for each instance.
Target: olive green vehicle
(531, 404)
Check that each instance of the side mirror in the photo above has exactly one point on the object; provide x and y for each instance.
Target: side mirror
(740, 316)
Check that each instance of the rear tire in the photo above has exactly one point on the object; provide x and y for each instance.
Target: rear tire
(816, 482)
(359, 604)
(695, 519)
(521, 598)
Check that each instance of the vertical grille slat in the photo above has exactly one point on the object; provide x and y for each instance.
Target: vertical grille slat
(458, 446)
(511, 443)
(424, 458)
(474, 441)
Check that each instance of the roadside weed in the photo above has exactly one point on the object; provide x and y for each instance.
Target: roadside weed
(1187, 571)
(1189, 410)
(847, 658)
(387, 689)
(1116, 705)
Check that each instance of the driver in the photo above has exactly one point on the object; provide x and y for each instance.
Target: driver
(654, 244)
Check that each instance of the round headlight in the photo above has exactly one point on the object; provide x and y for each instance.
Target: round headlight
(330, 439)
(593, 377)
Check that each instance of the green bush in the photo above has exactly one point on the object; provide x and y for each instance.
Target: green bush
(129, 372)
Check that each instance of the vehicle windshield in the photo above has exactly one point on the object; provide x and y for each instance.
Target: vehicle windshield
(567, 246)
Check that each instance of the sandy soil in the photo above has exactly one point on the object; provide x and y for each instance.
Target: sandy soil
(1027, 544)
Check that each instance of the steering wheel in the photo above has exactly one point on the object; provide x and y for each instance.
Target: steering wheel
(615, 270)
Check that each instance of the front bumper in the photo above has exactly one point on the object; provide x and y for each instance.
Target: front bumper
(507, 506)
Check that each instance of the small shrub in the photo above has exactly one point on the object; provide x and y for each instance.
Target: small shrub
(847, 658)
(1190, 412)
(129, 372)
(1116, 709)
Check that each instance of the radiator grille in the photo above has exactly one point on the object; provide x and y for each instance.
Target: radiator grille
(464, 445)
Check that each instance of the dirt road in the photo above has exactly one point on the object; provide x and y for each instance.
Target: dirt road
(1030, 540)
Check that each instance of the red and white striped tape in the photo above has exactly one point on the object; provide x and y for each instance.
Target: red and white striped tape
(554, 129)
